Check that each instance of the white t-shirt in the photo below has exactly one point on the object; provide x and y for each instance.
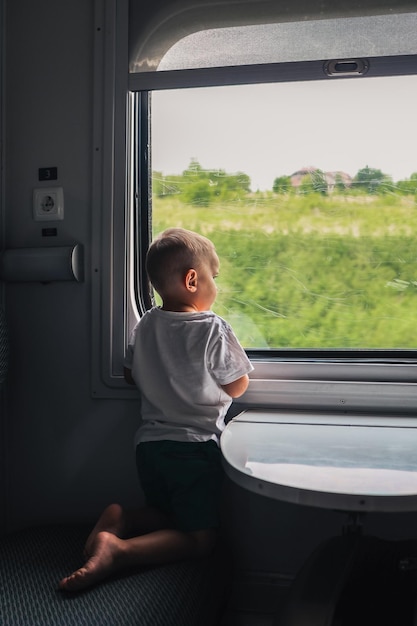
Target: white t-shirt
(178, 361)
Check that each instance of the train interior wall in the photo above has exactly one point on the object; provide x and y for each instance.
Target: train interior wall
(65, 454)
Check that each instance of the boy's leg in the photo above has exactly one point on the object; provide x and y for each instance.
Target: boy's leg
(111, 553)
(111, 520)
(114, 544)
(124, 523)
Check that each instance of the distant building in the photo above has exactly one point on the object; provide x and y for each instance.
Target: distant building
(334, 178)
(331, 178)
(297, 177)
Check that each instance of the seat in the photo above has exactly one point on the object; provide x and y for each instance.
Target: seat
(32, 561)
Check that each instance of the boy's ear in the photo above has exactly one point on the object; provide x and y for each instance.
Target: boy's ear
(191, 280)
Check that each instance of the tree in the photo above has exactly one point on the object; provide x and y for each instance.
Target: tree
(282, 184)
(194, 169)
(408, 186)
(372, 180)
(202, 186)
(235, 182)
(198, 193)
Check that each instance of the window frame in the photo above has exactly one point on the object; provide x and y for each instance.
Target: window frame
(110, 267)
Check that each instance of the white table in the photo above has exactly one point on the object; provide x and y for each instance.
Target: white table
(355, 464)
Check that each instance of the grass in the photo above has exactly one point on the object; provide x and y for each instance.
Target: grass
(311, 271)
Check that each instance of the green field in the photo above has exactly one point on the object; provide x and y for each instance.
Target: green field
(312, 271)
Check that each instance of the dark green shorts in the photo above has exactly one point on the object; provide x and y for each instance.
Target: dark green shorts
(182, 479)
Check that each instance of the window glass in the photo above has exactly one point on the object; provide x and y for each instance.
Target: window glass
(309, 192)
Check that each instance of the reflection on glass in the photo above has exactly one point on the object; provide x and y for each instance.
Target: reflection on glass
(309, 192)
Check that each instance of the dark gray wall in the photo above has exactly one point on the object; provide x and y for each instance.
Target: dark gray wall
(67, 454)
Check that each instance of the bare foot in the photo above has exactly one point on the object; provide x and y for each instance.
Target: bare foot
(112, 520)
(106, 559)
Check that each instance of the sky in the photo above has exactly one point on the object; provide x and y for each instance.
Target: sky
(272, 130)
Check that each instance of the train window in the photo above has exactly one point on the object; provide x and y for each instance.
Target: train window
(309, 191)
(307, 187)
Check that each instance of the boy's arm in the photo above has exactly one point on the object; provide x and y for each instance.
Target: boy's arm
(237, 387)
(128, 376)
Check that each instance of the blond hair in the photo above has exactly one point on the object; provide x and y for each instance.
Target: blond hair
(174, 252)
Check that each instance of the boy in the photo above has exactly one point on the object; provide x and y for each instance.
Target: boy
(188, 366)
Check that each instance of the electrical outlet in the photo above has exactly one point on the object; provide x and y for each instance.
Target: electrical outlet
(48, 203)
